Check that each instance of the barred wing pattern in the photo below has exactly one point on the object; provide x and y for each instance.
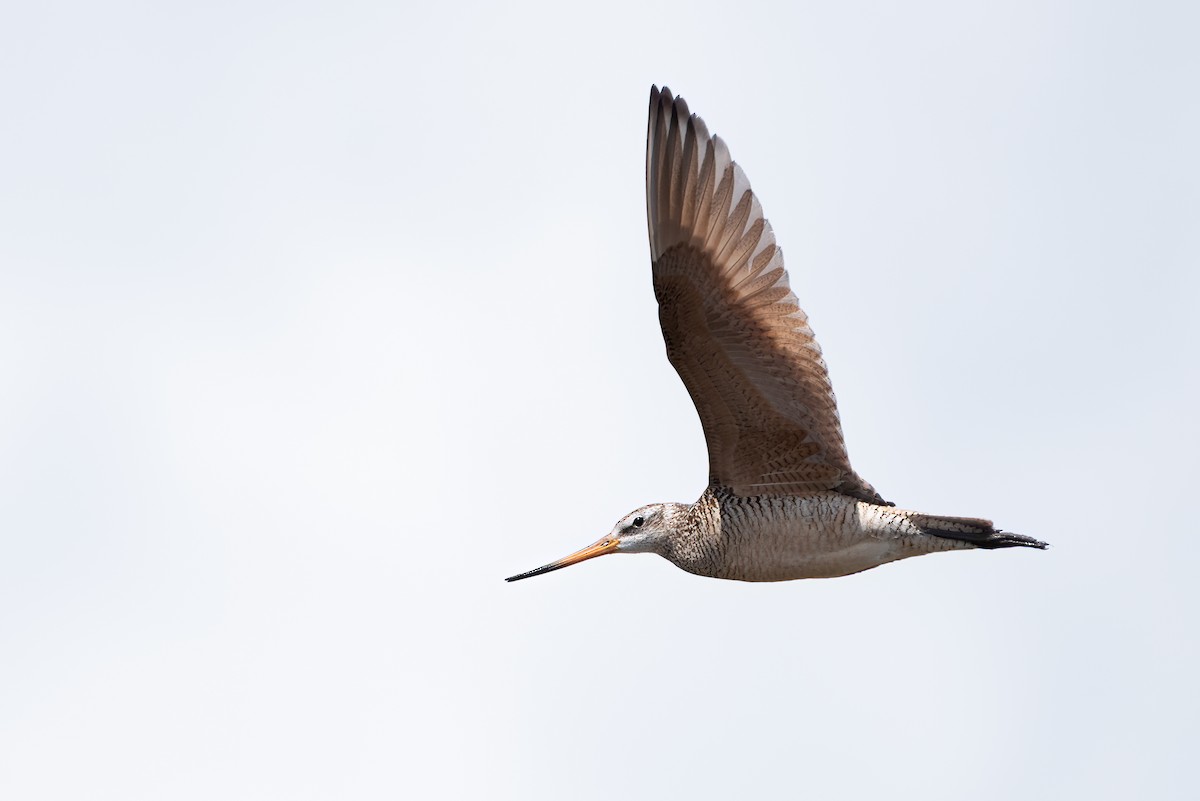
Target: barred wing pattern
(733, 329)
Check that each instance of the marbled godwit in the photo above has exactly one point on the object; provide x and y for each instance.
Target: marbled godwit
(782, 500)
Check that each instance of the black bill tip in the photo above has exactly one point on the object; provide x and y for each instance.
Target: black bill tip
(536, 572)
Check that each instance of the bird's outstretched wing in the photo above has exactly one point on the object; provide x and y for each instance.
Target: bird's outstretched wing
(734, 331)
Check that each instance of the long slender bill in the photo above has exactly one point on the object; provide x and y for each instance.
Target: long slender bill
(598, 548)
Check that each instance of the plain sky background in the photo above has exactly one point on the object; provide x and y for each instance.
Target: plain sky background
(319, 319)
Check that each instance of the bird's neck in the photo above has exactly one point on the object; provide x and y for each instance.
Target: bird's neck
(694, 533)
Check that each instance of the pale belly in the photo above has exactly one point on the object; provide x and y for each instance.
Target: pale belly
(818, 536)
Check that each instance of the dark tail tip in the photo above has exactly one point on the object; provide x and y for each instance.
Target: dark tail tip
(975, 531)
(1006, 539)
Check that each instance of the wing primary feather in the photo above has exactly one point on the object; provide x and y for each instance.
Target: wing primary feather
(719, 212)
(704, 193)
(687, 208)
(671, 163)
(657, 169)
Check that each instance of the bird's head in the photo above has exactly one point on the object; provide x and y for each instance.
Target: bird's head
(643, 530)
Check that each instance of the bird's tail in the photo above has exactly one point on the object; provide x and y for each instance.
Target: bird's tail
(973, 531)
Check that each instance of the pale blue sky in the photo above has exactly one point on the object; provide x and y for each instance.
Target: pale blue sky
(317, 320)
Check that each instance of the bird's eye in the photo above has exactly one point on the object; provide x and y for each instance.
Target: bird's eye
(637, 522)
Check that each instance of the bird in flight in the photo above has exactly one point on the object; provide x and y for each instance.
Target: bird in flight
(782, 500)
